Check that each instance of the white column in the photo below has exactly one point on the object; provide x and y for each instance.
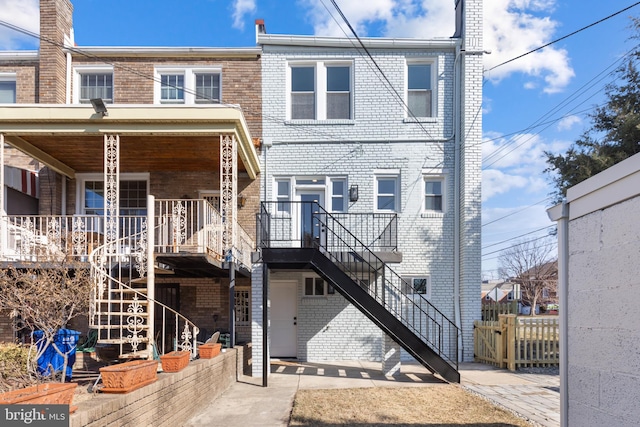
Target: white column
(151, 282)
(111, 190)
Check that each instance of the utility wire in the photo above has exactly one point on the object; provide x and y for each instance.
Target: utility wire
(517, 237)
(515, 212)
(564, 37)
(520, 243)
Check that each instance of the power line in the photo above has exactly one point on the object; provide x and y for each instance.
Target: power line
(517, 237)
(520, 243)
(564, 37)
(518, 211)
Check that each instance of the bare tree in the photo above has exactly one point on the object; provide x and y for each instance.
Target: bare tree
(532, 264)
(46, 297)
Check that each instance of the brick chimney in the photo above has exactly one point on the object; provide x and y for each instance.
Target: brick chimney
(56, 22)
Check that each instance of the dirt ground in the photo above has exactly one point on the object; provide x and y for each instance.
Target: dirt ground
(445, 405)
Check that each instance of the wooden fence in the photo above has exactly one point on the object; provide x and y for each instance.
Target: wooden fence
(512, 342)
(491, 311)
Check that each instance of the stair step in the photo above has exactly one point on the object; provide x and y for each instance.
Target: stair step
(122, 301)
(126, 290)
(124, 327)
(121, 313)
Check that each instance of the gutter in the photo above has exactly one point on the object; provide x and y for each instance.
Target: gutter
(150, 52)
(369, 42)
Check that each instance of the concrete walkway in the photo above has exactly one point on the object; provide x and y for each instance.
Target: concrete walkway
(247, 404)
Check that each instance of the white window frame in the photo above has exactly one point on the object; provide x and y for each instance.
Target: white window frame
(442, 179)
(433, 62)
(320, 67)
(395, 175)
(11, 77)
(189, 89)
(80, 70)
(408, 278)
(345, 190)
(279, 198)
(81, 178)
(240, 322)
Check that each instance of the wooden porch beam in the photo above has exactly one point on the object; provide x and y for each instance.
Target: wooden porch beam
(27, 148)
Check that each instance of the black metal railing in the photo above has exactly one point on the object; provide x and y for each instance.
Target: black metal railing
(308, 225)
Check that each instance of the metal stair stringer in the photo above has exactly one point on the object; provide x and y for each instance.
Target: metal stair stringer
(313, 258)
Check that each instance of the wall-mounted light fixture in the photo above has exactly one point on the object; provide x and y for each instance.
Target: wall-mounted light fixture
(242, 200)
(99, 107)
(353, 193)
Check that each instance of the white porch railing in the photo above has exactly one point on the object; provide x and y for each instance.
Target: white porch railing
(183, 226)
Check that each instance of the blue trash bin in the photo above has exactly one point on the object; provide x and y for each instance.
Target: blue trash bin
(65, 340)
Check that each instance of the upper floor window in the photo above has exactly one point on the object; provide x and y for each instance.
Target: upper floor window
(433, 194)
(188, 85)
(93, 82)
(283, 195)
(7, 88)
(420, 85)
(387, 193)
(320, 91)
(338, 194)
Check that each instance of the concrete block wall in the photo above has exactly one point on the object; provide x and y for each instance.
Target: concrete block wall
(603, 317)
(170, 401)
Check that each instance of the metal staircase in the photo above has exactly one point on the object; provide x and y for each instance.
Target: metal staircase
(320, 242)
(121, 309)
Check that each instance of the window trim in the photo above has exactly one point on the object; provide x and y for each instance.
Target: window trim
(345, 199)
(11, 77)
(326, 287)
(289, 181)
(410, 277)
(320, 87)
(80, 70)
(189, 89)
(433, 62)
(387, 175)
(81, 178)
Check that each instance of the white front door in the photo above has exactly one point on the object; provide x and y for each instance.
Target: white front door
(284, 318)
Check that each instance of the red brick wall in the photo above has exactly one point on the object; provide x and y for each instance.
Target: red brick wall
(55, 23)
(26, 80)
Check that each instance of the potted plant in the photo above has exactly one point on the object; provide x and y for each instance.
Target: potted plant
(209, 350)
(128, 376)
(175, 361)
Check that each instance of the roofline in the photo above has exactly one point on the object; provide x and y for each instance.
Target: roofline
(182, 52)
(369, 42)
(19, 55)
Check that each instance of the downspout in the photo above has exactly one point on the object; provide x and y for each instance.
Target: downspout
(68, 76)
(560, 214)
(456, 199)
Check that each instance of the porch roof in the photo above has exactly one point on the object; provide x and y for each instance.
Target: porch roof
(68, 138)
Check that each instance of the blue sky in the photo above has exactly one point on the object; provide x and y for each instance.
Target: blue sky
(536, 103)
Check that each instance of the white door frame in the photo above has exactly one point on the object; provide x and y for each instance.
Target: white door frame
(284, 332)
(299, 192)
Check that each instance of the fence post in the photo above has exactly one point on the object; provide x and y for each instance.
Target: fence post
(500, 341)
(511, 341)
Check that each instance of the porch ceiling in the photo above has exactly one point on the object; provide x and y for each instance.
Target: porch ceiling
(69, 139)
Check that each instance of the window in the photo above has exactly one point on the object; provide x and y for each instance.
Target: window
(433, 194)
(133, 194)
(545, 292)
(207, 88)
(303, 94)
(172, 90)
(338, 93)
(387, 193)
(243, 307)
(314, 287)
(91, 82)
(338, 194)
(420, 89)
(188, 85)
(96, 85)
(7, 88)
(283, 195)
(320, 91)
(419, 285)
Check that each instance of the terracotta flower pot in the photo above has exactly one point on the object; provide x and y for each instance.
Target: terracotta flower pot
(208, 351)
(42, 394)
(128, 376)
(175, 361)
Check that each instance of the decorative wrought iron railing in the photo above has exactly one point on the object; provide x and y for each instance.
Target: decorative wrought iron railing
(308, 225)
(121, 309)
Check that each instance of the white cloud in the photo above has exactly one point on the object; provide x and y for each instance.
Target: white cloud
(495, 182)
(567, 122)
(511, 28)
(21, 13)
(240, 9)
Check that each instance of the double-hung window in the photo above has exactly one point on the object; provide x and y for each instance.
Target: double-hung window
(188, 85)
(338, 194)
(7, 88)
(433, 194)
(387, 193)
(93, 82)
(283, 195)
(420, 89)
(320, 91)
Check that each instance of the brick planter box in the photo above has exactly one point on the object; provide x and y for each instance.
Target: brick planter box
(209, 351)
(128, 376)
(175, 361)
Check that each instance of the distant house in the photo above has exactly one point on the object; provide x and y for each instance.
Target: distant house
(500, 291)
(599, 290)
